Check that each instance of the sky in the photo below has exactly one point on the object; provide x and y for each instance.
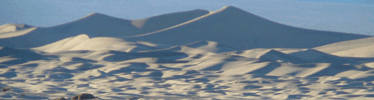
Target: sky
(350, 16)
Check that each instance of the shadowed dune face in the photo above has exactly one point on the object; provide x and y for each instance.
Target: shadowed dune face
(230, 26)
(12, 56)
(181, 70)
(122, 56)
(95, 25)
(166, 20)
(226, 54)
(237, 28)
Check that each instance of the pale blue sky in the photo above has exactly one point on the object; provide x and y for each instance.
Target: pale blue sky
(352, 16)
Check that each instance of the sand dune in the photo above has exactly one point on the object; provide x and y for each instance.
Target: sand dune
(211, 46)
(226, 54)
(353, 48)
(63, 45)
(179, 71)
(83, 42)
(94, 25)
(13, 27)
(320, 57)
(13, 30)
(240, 29)
(159, 22)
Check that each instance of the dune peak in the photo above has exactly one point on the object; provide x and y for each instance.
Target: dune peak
(230, 9)
(96, 15)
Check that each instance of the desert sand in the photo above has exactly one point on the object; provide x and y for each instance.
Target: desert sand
(198, 54)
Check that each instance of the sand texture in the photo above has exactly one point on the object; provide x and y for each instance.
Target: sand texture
(228, 54)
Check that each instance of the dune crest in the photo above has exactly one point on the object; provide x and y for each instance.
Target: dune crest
(14, 30)
(240, 29)
(353, 48)
(94, 25)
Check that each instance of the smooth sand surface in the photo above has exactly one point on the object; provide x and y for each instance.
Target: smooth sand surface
(353, 48)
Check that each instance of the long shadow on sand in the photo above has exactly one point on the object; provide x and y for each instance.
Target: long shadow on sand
(165, 55)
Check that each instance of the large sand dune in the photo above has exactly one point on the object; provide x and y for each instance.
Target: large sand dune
(240, 29)
(94, 25)
(226, 54)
